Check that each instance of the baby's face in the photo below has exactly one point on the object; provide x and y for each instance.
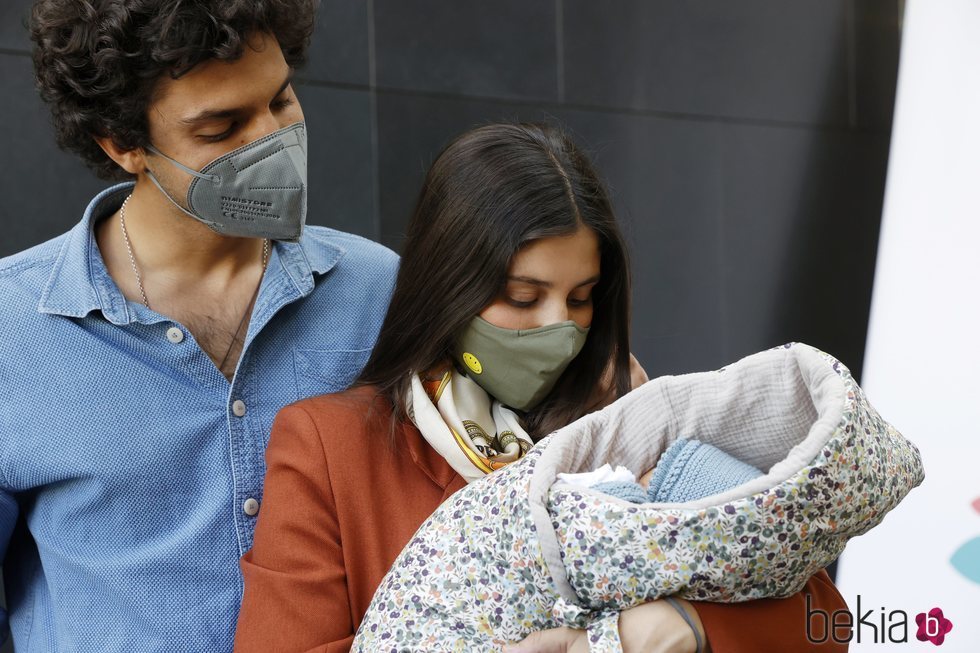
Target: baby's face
(645, 479)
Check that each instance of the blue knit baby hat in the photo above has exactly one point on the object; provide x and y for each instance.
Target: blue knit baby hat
(691, 470)
(687, 471)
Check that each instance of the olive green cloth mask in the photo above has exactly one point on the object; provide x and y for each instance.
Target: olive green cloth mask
(518, 367)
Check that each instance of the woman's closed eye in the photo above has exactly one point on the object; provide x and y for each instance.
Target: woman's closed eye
(528, 303)
(522, 303)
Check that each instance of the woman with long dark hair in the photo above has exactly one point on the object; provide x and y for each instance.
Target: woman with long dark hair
(510, 319)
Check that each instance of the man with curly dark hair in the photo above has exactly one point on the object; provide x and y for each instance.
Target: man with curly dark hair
(147, 350)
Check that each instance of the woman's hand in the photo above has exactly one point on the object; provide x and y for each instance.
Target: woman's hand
(657, 627)
(654, 627)
(556, 640)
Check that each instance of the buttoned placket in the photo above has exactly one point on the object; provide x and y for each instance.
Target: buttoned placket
(288, 278)
(285, 281)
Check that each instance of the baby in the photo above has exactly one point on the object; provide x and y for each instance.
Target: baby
(528, 548)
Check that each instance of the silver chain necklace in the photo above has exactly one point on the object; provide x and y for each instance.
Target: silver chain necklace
(139, 277)
(129, 248)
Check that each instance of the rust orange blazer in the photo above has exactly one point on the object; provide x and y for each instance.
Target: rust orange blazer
(341, 501)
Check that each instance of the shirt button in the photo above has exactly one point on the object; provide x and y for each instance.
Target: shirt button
(251, 507)
(175, 335)
(238, 408)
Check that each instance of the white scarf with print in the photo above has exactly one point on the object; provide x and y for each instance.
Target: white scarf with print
(470, 429)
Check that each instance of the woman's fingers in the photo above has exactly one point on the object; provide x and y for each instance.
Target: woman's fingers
(556, 640)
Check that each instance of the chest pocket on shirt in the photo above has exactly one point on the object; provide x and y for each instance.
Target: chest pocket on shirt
(324, 371)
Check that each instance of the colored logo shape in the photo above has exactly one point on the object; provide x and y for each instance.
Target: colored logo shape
(966, 560)
(472, 362)
(933, 626)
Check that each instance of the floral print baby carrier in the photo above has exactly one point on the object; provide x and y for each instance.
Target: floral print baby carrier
(518, 552)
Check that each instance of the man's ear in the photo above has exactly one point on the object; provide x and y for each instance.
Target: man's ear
(132, 161)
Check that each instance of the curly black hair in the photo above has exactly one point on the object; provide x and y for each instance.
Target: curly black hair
(96, 62)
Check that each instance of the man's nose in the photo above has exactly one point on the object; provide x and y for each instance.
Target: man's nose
(264, 125)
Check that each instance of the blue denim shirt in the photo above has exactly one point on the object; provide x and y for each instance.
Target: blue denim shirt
(129, 465)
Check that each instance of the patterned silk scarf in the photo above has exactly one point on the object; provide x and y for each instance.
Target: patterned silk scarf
(470, 429)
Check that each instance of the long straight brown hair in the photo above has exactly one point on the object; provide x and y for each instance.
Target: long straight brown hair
(489, 193)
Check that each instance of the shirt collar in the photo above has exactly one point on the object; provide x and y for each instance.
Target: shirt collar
(75, 286)
(79, 282)
(312, 254)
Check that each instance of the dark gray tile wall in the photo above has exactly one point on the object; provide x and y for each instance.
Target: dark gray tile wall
(753, 59)
(500, 49)
(14, 15)
(744, 143)
(411, 130)
(341, 50)
(874, 29)
(45, 190)
(799, 241)
(341, 158)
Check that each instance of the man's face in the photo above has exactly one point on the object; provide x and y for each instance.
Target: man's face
(217, 107)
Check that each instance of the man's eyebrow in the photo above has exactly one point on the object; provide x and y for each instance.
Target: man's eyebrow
(219, 114)
(210, 114)
(286, 82)
(548, 284)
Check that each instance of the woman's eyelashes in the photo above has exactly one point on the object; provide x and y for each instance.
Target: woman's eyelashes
(528, 303)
